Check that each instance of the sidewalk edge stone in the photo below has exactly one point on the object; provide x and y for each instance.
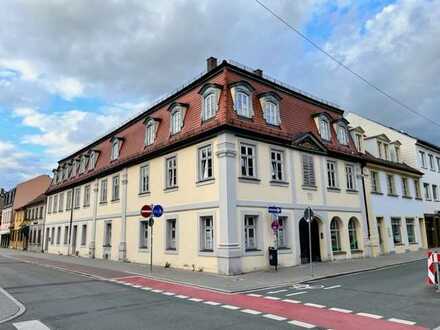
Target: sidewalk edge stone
(21, 308)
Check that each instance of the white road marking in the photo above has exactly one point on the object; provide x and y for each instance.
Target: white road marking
(295, 293)
(402, 321)
(274, 317)
(277, 291)
(213, 303)
(168, 293)
(302, 324)
(181, 296)
(234, 308)
(146, 288)
(157, 291)
(340, 310)
(373, 316)
(332, 287)
(292, 301)
(30, 325)
(254, 295)
(314, 305)
(137, 286)
(195, 299)
(250, 311)
(271, 298)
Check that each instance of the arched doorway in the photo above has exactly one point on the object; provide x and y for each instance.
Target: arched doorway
(304, 240)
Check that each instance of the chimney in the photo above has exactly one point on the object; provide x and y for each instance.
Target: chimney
(211, 63)
(259, 72)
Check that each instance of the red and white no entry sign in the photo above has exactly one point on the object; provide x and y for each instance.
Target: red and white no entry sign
(146, 211)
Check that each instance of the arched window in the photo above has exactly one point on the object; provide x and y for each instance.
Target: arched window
(324, 128)
(352, 234)
(335, 235)
(115, 149)
(177, 116)
(342, 134)
(209, 106)
(271, 113)
(150, 132)
(242, 104)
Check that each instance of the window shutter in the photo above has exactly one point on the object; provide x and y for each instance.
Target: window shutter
(308, 171)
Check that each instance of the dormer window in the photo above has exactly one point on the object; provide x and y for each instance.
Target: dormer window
(242, 97)
(74, 168)
(116, 145)
(270, 103)
(177, 112)
(82, 164)
(66, 172)
(92, 160)
(324, 128)
(150, 131)
(210, 95)
(341, 132)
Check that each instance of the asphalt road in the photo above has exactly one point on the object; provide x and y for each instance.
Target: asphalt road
(61, 300)
(396, 292)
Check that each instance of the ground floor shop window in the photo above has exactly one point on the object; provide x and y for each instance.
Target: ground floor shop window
(397, 234)
(335, 235)
(352, 234)
(143, 234)
(171, 234)
(410, 230)
(207, 233)
(282, 233)
(250, 232)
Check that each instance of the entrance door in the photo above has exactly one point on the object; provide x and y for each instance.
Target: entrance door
(46, 241)
(74, 234)
(380, 233)
(304, 241)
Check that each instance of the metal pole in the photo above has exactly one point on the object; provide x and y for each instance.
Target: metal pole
(438, 276)
(310, 245)
(151, 248)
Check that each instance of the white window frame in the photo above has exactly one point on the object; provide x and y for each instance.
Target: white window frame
(283, 232)
(324, 128)
(86, 201)
(397, 237)
(431, 162)
(205, 163)
(55, 204)
(69, 200)
(427, 190)
(434, 192)
(77, 197)
(116, 145)
(84, 235)
(332, 174)
(350, 177)
(108, 229)
(206, 233)
(342, 134)
(353, 234)
(103, 191)
(171, 230)
(49, 204)
(61, 202)
(210, 104)
(308, 167)
(116, 187)
(417, 188)
(176, 119)
(405, 187)
(66, 235)
(410, 223)
(335, 234)
(144, 179)
(171, 172)
(92, 160)
(245, 159)
(144, 234)
(277, 165)
(150, 132)
(271, 110)
(423, 159)
(242, 103)
(250, 240)
(391, 185)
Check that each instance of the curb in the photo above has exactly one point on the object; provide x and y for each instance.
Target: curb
(21, 308)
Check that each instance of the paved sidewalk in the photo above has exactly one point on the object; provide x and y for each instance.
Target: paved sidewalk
(238, 283)
(9, 307)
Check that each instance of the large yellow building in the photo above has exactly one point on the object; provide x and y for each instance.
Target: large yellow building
(215, 154)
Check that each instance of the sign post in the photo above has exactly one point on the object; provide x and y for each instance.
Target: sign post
(273, 252)
(308, 215)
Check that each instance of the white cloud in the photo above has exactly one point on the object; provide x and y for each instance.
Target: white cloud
(68, 88)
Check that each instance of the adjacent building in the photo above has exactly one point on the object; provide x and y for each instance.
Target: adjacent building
(216, 154)
(35, 215)
(7, 217)
(394, 145)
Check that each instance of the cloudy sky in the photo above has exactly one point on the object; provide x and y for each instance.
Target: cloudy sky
(71, 70)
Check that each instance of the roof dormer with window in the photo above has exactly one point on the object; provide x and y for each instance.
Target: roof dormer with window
(177, 116)
(341, 129)
(322, 121)
(94, 154)
(116, 143)
(270, 103)
(395, 151)
(357, 134)
(83, 163)
(151, 126)
(378, 146)
(210, 98)
(242, 92)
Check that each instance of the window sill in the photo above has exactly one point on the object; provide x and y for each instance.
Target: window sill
(392, 195)
(106, 246)
(145, 193)
(419, 198)
(254, 252)
(413, 243)
(333, 189)
(399, 244)
(245, 179)
(143, 249)
(352, 191)
(171, 251)
(76, 207)
(171, 189)
(339, 253)
(103, 203)
(205, 182)
(284, 250)
(314, 188)
(113, 201)
(356, 251)
(376, 193)
(407, 197)
(206, 253)
(279, 183)
(86, 206)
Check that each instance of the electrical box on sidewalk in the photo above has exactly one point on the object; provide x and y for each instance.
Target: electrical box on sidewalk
(273, 257)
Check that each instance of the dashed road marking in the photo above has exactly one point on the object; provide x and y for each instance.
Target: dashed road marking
(30, 325)
(271, 298)
(250, 311)
(234, 308)
(212, 303)
(254, 295)
(146, 288)
(168, 293)
(295, 293)
(314, 305)
(332, 287)
(274, 317)
(157, 291)
(341, 310)
(302, 324)
(292, 301)
(195, 299)
(137, 286)
(373, 316)
(181, 296)
(277, 291)
(401, 321)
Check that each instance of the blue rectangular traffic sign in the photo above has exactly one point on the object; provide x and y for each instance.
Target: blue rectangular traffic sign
(274, 209)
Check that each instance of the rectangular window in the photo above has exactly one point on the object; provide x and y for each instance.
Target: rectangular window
(250, 232)
(55, 204)
(103, 192)
(87, 195)
(61, 203)
(427, 191)
(405, 187)
(431, 162)
(438, 164)
(171, 234)
(77, 197)
(49, 205)
(83, 235)
(58, 235)
(207, 233)
(277, 160)
(66, 235)
(390, 184)
(308, 171)
(397, 153)
(417, 188)
(379, 149)
(171, 172)
(395, 226)
(410, 230)
(143, 234)
(115, 188)
(434, 192)
(108, 234)
(52, 237)
(69, 200)
(331, 174)
(247, 158)
(39, 237)
(422, 159)
(358, 142)
(282, 233)
(205, 163)
(350, 177)
(144, 179)
(385, 151)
